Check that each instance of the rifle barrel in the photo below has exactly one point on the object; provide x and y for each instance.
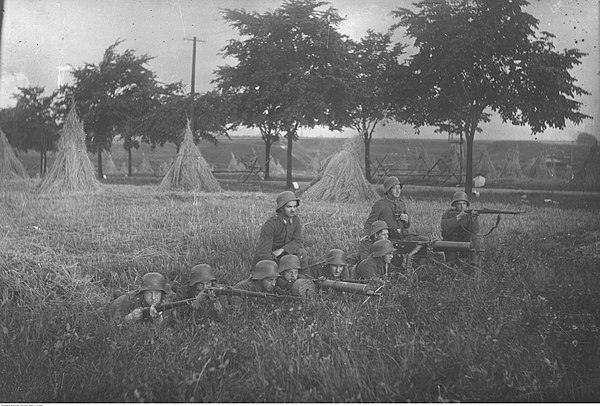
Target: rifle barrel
(248, 293)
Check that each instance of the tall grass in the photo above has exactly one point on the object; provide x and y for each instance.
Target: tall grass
(523, 328)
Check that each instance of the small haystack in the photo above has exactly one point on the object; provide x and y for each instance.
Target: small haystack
(485, 167)
(588, 176)
(235, 165)
(190, 170)
(276, 168)
(108, 165)
(72, 170)
(343, 179)
(145, 166)
(539, 169)
(512, 167)
(10, 166)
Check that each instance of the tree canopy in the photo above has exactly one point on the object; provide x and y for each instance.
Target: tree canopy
(478, 55)
(289, 72)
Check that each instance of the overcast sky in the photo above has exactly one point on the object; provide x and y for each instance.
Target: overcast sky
(40, 36)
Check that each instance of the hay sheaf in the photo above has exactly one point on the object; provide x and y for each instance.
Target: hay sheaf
(190, 171)
(10, 166)
(72, 170)
(539, 169)
(485, 166)
(512, 167)
(343, 179)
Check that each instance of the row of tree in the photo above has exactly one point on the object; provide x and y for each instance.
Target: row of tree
(294, 69)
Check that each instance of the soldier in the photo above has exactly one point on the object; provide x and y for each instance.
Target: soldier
(458, 225)
(201, 280)
(379, 231)
(289, 265)
(282, 233)
(392, 210)
(377, 266)
(130, 306)
(335, 267)
(263, 278)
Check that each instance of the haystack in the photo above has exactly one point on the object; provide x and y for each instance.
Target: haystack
(108, 165)
(190, 170)
(276, 168)
(539, 170)
(343, 179)
(512, 167)
(235, 165)
(72, 170)
(485, 166)
(588, 176)
(145, 166)
(10, 166)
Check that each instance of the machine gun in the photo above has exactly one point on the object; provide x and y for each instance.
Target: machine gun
(349, 287)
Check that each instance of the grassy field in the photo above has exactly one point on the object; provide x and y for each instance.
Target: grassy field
(569, 156)
(523, 328)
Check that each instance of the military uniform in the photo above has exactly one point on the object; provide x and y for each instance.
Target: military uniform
(389, 210)
(464, 229)
(128, 302)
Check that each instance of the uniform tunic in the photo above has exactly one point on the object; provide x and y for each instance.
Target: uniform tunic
(212, 306)
(388, 210)
(371, 268)
(464, 230)
(280, 232)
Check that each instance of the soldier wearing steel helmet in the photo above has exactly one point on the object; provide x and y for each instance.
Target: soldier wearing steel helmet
(129, 306)
(378, 265)
(263, 278)
(335, 266)
(289, 266)
(198, 285)
(281, 234)
(458, 225)
(379, 231)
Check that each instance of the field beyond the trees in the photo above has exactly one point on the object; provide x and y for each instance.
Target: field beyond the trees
(523, 328)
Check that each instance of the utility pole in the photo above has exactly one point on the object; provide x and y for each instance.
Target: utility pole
(193, 90)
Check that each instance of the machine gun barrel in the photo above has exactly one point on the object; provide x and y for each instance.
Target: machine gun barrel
(436, 246)
(492, 211)
(350, 287)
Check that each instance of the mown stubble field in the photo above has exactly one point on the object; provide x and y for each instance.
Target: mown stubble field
(523, 328)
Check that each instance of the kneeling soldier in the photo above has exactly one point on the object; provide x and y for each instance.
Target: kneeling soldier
(201, 280)
(263, 278)
(289, 265)
(458, 225)
(130, 306)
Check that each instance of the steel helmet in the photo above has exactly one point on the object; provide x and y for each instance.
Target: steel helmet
(458, 196)
(265, 269)
(153, 281)
(284, 198)
(381, 248)
(377, 226)
(288, 262)
(390, 182)
(201, 273)
(336, 257)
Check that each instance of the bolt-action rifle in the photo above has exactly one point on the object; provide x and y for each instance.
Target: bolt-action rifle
(492, 211)
(435, 245)
(219, 291)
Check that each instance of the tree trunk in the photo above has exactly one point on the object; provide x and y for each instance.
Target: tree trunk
(128, 161)
(290, 137)
(367, 141)
(100, 173)
(268, 143)
(469, 176)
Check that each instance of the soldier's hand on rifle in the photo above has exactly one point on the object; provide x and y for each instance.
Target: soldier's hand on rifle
(153, 312)
(135, 315)
(462, 215)
(278, 252)
(474, 213)
(404, 217)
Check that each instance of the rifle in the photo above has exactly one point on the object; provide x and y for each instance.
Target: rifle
(492, 211)
(167, 306)
(435, 245)
(227, 291)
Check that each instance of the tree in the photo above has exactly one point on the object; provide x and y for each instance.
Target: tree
(111, 94)
(478, 55)
(32, 123)
(375, 68)
(289, 71)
